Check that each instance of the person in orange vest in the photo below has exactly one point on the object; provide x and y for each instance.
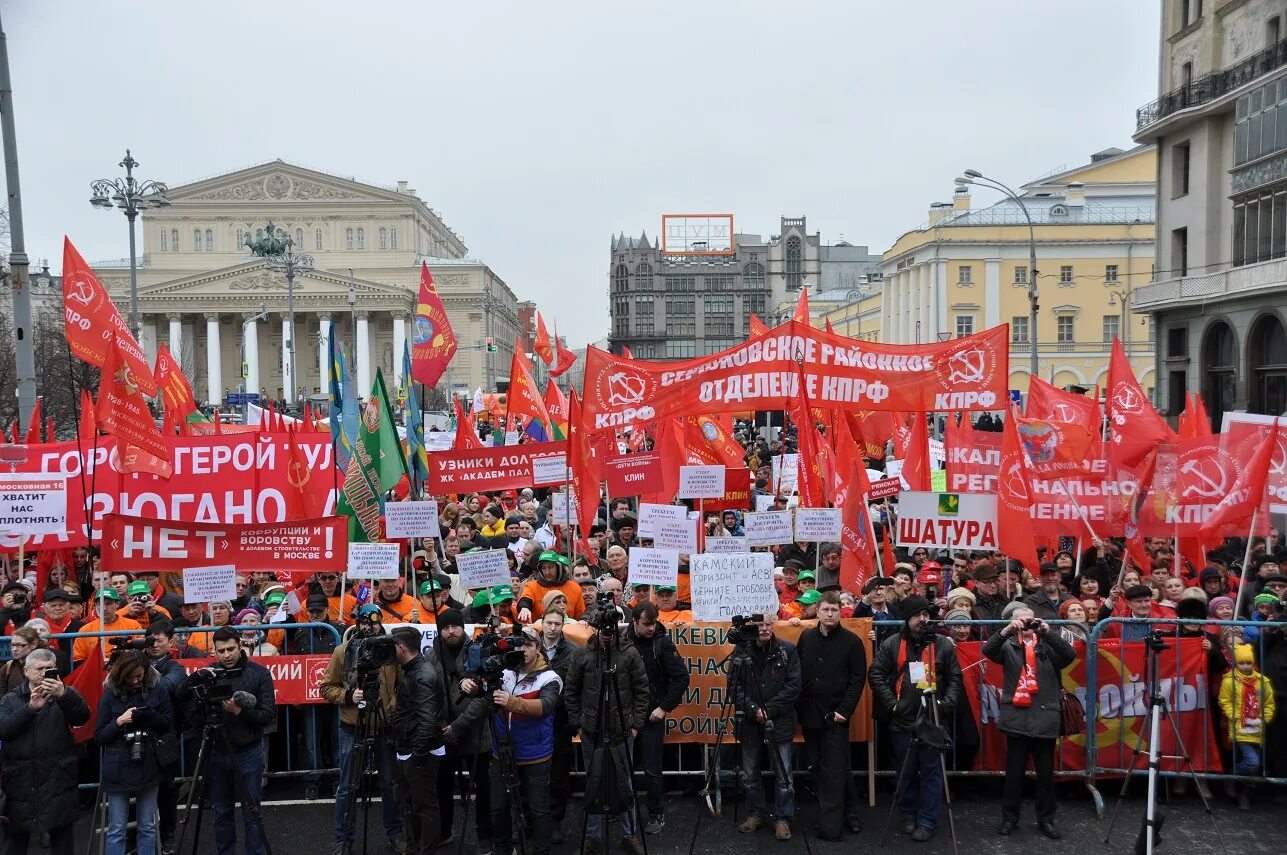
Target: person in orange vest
(395, 605)
(551, 574)
(141, 607)
(668, 610)
(435, 597)
(109, 603)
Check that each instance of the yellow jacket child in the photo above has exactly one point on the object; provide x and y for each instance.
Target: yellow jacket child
(1246, 698)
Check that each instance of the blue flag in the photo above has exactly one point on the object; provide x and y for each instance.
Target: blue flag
(415, 426)
(344, 411)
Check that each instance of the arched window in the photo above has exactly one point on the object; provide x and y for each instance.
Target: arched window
(794, 263)
(361, 239)
(620, 279)
(1267, 359)
(384, 238)
(317, 239)
(1058, 211)
(643, 277)
(241, 239)
(165, 241)
(1220, 356)
(209, 240)
(196, 240)
(174, 240)
(348, 238)
(393, 237)
(299, 238)
(753, 275)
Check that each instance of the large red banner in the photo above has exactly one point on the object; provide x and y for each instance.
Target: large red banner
(509, 467)
(296, 679)
(217, 479)
(633, 474)
(1121, 723)
(793, 360)
(300, 546)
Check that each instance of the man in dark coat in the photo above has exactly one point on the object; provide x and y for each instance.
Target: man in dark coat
(417, 731)
(833, 672)
(1046, 602)
(1031, 714)
(989, 598)
(39, 758)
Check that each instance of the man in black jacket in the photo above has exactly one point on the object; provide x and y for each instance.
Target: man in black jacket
(667, 682)
(989, 599)
(764, 691)
(317, 723)
(833, 672)
(173, 676)
(417, 729)
(242, 718)
(904, 671)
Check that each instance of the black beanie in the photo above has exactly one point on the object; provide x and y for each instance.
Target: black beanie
(451, 617)
(913, 605)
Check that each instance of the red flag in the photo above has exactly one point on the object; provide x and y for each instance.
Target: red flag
(176, 391)
(142, 461)
(433, 343)
(755, 327)
(1193, 421)
(299, 499)
(872, 431)
(708, 440)
(49, 429)
(887, 550)
(1050, 402)
(87, 680)
(1014, 501)
(563, 358)
(218, 428)
(33, 425)
(625, 351)
(828, 326)
(542, 347)
(93, 325)
(584, 467)
(86, 430)
(1054, 448)
(466, 435)
(583, 545)
(1249, 491)
(810, 480)
(1201, 421)
(524, 401)
(916, 460)
(857, 550)
(556, 404)
(801, 314)
(1129, 411)
(122, 410)
(306, 420)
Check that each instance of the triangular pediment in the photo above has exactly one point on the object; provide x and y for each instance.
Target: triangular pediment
(279, 181)
(255, 277)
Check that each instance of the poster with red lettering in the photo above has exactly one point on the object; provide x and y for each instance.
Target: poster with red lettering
(298, 546)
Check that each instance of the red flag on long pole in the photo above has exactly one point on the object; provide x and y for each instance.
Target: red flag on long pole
(584, 469)
(93, 325)
(916, 463)
(1014, 500)
(122, 410)
(466, 436)
(542, 345)
(433, 343)
(33, 426)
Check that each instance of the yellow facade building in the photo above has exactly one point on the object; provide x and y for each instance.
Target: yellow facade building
(968, 269)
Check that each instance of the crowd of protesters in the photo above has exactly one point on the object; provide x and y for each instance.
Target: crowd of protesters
(923, 605)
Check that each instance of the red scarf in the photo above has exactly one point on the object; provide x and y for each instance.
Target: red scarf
(1249, 708)
(1026, 688)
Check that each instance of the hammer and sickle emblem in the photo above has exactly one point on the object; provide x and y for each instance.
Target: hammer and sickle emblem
(1278, 462)
(1065, 413)
(967, 366)
(297, 474)
(81, 291)
(1209, 487)
(1016, 484)
(1127, 399)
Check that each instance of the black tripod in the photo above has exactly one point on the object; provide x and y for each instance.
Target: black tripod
(211, 729)
(513, 785)
(927, 732)
(1149, 836)
(364, 759)
(599, 802)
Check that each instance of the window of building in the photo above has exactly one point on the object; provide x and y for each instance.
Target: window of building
(1190, 11)
(241, 239)
(794, 263)
(1186, 75)
(1260, 123)
(964, 325)
(1112, 328)
(753, 276)
(174, 240)
(384, 238)
(620, 306)
(1273, 31)
(1065, 274)
(209, 240)
(348, 238)
(644, 304)
(393, 237)
(1179, 170)
(1177, 342)
(680, 306)
(1019, 329)
(1260, 225)
(1180, 252)
(1058, 210)
(298, 239)
(1064, 329)
(719, 283)
(680, 283)
(643, 277)
(965, 275)
(643, 326)
(715, 345)
(165, 240)
(680, 349)
(317, 239)
(361, 238)
(1110, 272)
(718, 305)
(196, 240)
(753, 303)
(620, 279)
(1021, 275)
(681, 326)
(621, 326)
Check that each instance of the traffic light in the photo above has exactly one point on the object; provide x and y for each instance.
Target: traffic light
(491, 344)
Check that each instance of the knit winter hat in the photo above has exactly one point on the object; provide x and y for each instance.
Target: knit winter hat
(961, 592)
(1243, 653)
(1217, 602)
(956, 616)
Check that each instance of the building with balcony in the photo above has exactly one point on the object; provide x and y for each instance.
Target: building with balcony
(968, 269)
(1219, 295)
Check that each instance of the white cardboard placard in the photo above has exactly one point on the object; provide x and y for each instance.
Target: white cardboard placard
(550, 469)
(727, 585)
(701, 482)
(650, 513)
(411, 519)
(731, 545)
(563, 508)
(373, 561)
(653, 567)
(768, 528)
(817, 525)
(33, 504)
(209, 584)
(679, 535)
(483, 568)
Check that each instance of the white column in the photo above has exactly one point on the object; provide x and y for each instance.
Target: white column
(363, 356)
(324, 352)
(214, 361)
(991, 292)
(938, 300)
(399, 342)
(288, 380)
(176, 337)
(147, 339)
(909, 305)
(893, 332)
(923, 302)
(250, 331)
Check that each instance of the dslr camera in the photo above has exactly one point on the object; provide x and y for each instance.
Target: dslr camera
(135, 738)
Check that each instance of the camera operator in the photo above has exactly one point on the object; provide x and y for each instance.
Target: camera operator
(342, 686)
(904, 668)
(767, 707)
(667, 682)
(133, 711)
(1033, 658)
(172, 676)
(833, 672)
(242, 719)
(625, 712)
(15, 606)
(417, 731)
(465, 733)
(38, 753)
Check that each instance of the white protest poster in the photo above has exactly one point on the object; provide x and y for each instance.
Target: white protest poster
(33, 504)
(483, 568)
(701, 482)
(768, 528)
(727, 585)
(817, 525)
(947, 520)
(679, 535)
(550, 469)
(411, 519)
(650, 513)
(726, 545)
(209, 584)
(439, 440)
(563, 508)
(786, 473)
(511, 437)
(653, 567)
(373, 561)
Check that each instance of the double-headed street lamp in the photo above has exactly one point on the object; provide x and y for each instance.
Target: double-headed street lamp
(973, 176)
(131, 196)
(279, 253)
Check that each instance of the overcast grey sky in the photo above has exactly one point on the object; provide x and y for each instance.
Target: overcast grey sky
(537, 129)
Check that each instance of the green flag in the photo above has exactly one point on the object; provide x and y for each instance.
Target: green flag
(375, 467)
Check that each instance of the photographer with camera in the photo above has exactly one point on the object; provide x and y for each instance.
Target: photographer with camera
(352, 682)
(417, 732)
(38, 754)
(607, 699)
(905, 670)
(1031, 715)
(15, 607)
(141, 607)
(765, 685)
(237, 698)
(133, 711)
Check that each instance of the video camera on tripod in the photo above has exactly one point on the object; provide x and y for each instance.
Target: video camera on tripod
(212, 686)
(491, 654)
(605, 615)
(373, 653)
(121, 646)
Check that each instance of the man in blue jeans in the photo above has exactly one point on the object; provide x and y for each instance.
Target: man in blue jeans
(341, 686)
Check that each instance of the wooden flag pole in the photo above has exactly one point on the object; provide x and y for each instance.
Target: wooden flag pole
(1246, 566)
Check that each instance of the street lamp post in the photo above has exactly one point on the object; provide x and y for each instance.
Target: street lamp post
(1124, 324)
(131, 196)
(279, 253)
(973, 176)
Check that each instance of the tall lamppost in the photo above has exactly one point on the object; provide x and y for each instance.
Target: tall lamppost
(279, 253)
(1124, 324)
(973, 176)
(131, 196)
